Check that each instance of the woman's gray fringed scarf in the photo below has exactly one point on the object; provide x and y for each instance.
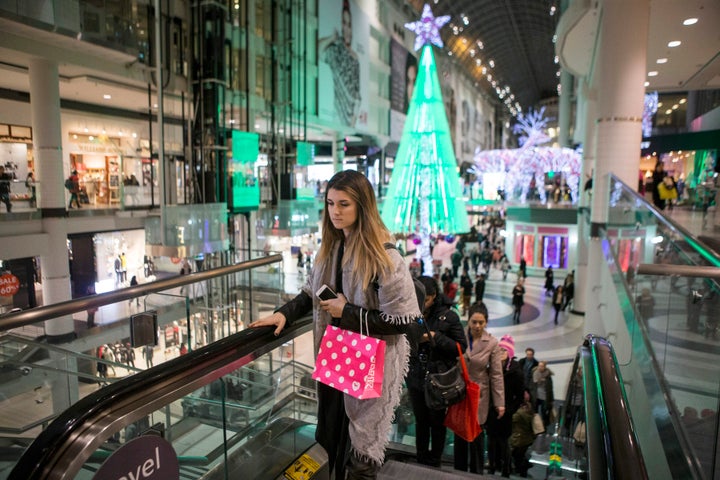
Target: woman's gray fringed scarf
(371, 419)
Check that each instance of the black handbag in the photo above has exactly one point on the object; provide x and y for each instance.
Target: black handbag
(444, 389)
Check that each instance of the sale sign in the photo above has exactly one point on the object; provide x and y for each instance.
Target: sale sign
(9, 285)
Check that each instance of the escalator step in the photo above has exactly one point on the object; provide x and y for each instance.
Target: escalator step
(402, 471)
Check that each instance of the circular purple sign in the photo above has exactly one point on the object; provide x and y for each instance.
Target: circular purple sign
(149, 457)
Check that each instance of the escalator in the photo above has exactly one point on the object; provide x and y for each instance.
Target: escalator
(269, 431)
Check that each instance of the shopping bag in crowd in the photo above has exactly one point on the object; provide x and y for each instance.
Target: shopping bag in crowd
(462, 417)
(537, 424)
(351, 362)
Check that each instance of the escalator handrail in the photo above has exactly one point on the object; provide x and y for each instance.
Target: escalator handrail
(61, 450)
(56, 310)
(708, 253)
(622, 450)
(594, 436)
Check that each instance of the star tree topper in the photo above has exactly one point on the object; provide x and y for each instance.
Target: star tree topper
(428, 28)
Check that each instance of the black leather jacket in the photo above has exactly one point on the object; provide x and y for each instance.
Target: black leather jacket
(442, 320)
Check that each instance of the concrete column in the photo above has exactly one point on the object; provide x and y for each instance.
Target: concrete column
(619, 76)
(620, 73)
(587, 104)
(47, 135)
(47, 147)
(565, 108)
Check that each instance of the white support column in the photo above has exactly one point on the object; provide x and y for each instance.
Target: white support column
(619, 77)
(589, 105)
(565, 108)
(47, 148)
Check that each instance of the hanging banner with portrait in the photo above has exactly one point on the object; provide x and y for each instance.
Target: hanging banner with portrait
(403, 73)
(343, 63)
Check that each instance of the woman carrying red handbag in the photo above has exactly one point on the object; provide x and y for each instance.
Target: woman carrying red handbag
(485, 368)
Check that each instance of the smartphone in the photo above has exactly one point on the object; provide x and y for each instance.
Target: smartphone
(325, 293)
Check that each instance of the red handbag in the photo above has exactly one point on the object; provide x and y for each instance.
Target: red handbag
(462, 417)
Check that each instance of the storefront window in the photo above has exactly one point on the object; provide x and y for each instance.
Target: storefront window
(525, 248)
(554, 251)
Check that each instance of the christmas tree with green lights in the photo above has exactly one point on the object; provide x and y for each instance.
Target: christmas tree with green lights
(425, 193)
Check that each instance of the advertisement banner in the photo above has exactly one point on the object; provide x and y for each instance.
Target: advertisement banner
(344, 72)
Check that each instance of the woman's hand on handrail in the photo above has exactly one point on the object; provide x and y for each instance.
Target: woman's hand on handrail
(277, 319)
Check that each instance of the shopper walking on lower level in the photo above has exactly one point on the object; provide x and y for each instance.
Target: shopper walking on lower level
(5, 180)
(518, 300)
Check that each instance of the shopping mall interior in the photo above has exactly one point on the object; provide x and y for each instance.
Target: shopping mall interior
(164, 167)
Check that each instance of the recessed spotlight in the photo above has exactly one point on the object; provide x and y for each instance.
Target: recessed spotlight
(660, 104)
(674, 43)
(654, 73)
(682, 100)
(675, 107)
(690, 21)
(107, 96)
(134, 135)
(668, 111)
(154, 105)
(91, 138)
(85, 130)
(647, 84)
(661, 60)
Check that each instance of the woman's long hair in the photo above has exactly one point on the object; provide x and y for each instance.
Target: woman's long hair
(365, 246)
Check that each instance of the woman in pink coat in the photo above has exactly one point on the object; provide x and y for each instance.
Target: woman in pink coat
(484, 362)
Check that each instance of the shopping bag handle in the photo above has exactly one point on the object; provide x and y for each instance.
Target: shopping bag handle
(466, 376)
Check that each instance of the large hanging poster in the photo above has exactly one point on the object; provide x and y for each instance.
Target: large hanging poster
(343, 63)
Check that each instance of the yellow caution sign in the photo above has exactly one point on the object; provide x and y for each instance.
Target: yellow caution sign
(303, 469)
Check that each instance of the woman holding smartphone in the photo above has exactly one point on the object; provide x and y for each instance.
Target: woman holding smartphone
(371, 281)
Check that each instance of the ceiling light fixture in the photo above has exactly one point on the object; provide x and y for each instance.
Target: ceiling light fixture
(690, 21)
(107, 97)
(674, 43)
(682, 100)
(647, 84)
(653, 73)
(661, 60)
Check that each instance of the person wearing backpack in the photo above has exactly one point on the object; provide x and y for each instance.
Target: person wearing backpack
(73, 185)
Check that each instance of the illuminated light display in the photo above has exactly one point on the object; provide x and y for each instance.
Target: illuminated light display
(425, 194)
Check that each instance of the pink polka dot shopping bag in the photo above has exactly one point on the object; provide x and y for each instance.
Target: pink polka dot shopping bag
(351, 362)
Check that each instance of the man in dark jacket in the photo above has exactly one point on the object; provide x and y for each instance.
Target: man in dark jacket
(480, 288)
(527, 364)
(436, 352)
